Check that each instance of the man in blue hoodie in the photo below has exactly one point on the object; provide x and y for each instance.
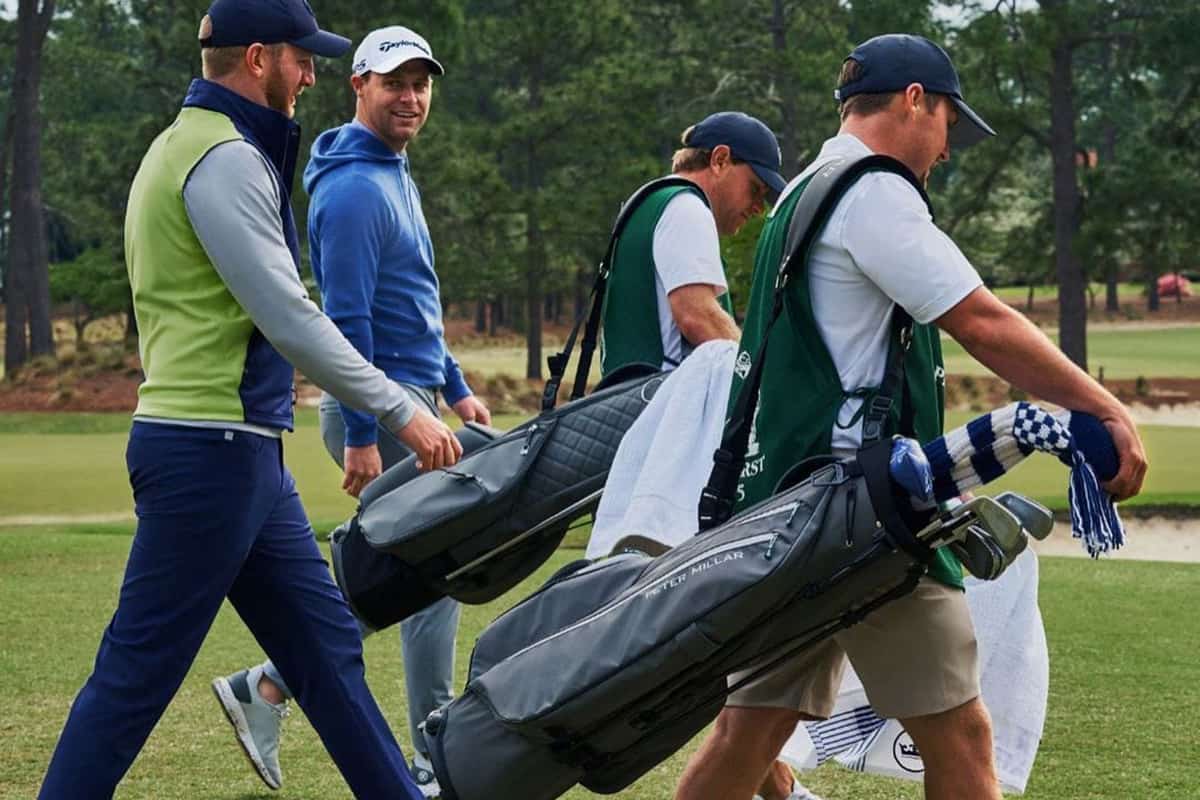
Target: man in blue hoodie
(373, 260)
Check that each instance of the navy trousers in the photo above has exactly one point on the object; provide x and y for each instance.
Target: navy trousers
(219, 516)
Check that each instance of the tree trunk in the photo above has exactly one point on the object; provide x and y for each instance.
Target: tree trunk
(535, 266)
(1072, 312)
(535, 245)
(1029, 298)
(480, 316)
(788, 135)
(81, 317)
(1108, 160)
(16, 312)
(494, 318)
(581, 292)
(28, 299)
(5, 150)
(1152, 293)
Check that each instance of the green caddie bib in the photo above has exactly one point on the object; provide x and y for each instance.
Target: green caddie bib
(801, 391)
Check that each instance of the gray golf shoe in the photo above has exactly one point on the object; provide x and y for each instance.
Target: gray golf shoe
(423, 776)
(799, 792)
(255, 722)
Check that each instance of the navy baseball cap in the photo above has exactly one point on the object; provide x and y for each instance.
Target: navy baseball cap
(747, 139)
(893, 61)
(245, 22)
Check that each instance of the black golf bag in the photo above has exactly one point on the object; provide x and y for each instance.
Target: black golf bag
(474, 530)
(613, 666)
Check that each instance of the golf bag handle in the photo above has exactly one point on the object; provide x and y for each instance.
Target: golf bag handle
(558, 362)
(820, 197)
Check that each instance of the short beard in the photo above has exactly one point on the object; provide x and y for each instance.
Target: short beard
(278, 92)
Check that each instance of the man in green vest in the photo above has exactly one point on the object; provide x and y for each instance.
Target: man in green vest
(900, 96)
(667, 292)
(223, 321)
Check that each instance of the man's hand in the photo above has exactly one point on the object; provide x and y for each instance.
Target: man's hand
(472, 409)
(363, 465)
(431, 440)
(1131, 453)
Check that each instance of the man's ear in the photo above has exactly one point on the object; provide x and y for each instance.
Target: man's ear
(721, 158)
(256, 59)
(356, 83)
(914, 98)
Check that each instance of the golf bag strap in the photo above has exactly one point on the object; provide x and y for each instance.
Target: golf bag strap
(558, 362)
(879, 405)
(821, 196)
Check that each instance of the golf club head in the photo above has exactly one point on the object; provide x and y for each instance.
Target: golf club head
(999, 522)
(984, 535)
(949, 525)
(1035, 517)
(979, 553)
(983, 556)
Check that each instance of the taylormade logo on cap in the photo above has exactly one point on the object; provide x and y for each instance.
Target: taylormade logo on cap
(387, 46)
(385, 49)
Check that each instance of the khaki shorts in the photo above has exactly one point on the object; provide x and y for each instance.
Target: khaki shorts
(915, 656)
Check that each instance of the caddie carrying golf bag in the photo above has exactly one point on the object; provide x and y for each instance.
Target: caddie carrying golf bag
(614, 665)
(476, 529)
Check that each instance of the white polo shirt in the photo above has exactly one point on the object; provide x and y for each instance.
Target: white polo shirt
(686, 250)
(880, 247)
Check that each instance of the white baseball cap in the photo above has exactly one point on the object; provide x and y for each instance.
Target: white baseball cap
(385, 49)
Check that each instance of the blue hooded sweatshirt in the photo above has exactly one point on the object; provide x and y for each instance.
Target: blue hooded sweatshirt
(373, 261)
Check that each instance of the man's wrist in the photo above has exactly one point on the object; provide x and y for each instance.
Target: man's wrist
(398, 417)
(455, 392)
(361, 437)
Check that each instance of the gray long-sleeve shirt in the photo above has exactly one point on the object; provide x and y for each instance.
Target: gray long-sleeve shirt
(232, 201)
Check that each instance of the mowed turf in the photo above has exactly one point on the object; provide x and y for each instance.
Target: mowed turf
(1018, 294)
(1124, 353)
(1124, 643)
(59, 473)
(74, 465)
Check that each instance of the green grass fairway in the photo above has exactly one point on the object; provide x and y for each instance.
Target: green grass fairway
(48, 474)
(1018, 294)
(1125, 660)
(1123, 353)
(74, 465)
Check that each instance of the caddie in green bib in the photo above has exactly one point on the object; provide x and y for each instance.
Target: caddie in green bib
(802, 398)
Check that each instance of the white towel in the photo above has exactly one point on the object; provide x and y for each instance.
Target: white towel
(664, 459)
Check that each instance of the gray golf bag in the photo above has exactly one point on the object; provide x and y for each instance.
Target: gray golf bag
(475, 530)
(614, 665)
